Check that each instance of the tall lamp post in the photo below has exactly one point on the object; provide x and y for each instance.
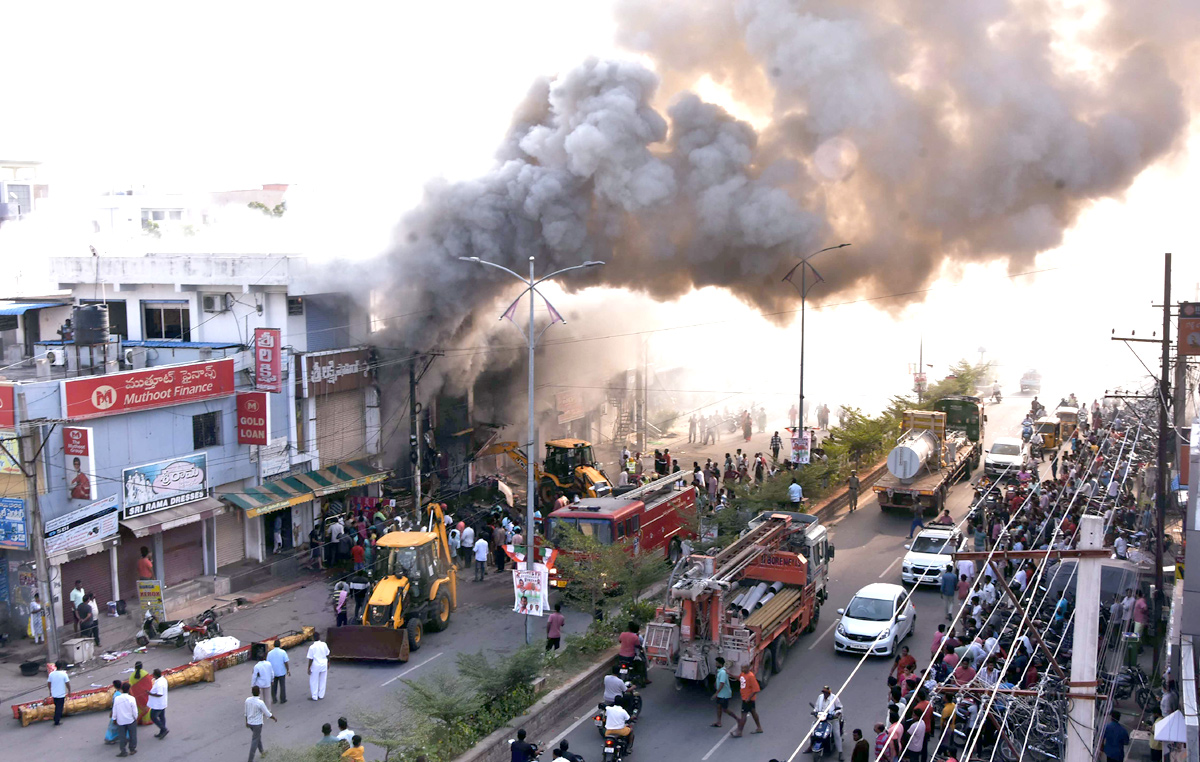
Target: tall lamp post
(531, 284)
(804, 266)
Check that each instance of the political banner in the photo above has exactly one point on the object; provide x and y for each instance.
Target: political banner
(91, 523)
(531, 588)
(801, 447)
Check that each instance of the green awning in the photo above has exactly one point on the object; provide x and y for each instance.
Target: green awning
(301, 488)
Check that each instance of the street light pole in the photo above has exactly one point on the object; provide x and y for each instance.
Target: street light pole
(803, 288)
(531, 284)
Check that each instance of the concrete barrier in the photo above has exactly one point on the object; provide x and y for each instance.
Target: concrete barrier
(547, 715)
(841, 498)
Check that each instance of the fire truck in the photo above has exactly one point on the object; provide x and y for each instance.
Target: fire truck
(749, 602)
(649, 519)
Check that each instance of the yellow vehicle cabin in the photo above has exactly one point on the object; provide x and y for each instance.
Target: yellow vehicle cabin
(1049, 429)
(570, 466)
(1068, 419)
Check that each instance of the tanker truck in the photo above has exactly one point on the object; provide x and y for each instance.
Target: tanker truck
(937, 448)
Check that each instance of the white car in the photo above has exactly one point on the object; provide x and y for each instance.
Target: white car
(931, 551)
(878, 617)
(1007, 453)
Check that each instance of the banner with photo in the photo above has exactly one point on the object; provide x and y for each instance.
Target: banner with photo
(532, 590)
(165, 484)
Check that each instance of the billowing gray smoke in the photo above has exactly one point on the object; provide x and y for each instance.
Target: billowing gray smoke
(923, 133)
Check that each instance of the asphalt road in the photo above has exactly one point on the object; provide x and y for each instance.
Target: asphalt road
(870, 543)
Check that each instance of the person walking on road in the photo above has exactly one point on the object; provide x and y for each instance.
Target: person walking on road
(125, 714)
(795, 495)
(723, 694)
(949, 589)
(318, 667)
(554, 625)
(60, 687)
(256, 712)
(158, 704)
(499, 538)
(749, 693)
(852, 490)
(281, 670)
(692, 429)
(918, 514)
(263, 676)
(1115, 738)
(481, 554)
(776, 445)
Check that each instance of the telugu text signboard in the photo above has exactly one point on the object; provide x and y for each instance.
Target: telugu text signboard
(115, 393)
(150, 596)
(332, 372)
(165, 484)
(570, 406)
(80, 453)
(8, 406)
(13, 524)
(91, 523)
(252, 418)
(268, 360)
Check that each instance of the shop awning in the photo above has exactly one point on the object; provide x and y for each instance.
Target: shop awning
(180, 515)
(301, 488)
(20, 308)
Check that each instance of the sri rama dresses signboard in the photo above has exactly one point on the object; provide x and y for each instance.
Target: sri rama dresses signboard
(90, 524)
(116, 393)
(165, 484)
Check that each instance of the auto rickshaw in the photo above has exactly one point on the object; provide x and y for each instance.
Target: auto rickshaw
(1068, 420)
(1049, 428)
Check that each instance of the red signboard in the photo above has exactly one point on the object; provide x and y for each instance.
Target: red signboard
(117, 393)
(8, 407)
(268, 360)
(252, 418)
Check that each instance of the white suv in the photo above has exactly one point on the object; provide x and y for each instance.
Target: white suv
(1006, 454)
(929, 554)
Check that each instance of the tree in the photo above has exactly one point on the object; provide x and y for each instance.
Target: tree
(444, 697)
(275, 211)
(593, 569)
(496, 680)
(384, 727)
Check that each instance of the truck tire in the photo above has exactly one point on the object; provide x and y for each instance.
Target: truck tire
(767, 669)
(781, 654)
(416, 633)
(439, 613)
(546, 490)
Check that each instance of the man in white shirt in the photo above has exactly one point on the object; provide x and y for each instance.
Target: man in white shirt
(467, 544)
(281, 669)
(125, 714)
(989, 591)
(967, 567)
(318, 667)
(832, 706)
(344, 731)
(262, 676)
(157, 702)
(256, 711)
(616, 722)
(795, 494)
(336, 530)
(613, 685)
(481, 554)
(1121, 546)
(76, 599)
(60, 686)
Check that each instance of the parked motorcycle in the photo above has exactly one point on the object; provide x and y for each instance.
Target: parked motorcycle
(179, 633)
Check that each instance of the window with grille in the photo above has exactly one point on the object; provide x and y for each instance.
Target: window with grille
(166, 320)
(206, 430)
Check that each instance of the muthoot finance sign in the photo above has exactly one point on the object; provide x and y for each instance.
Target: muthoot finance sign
(116, 393)
(165, 484)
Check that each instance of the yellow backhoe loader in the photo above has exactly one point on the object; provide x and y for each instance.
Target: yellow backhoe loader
(570, 466)
(418, 591)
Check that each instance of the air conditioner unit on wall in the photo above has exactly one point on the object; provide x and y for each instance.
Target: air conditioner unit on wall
(56, 356)
(216, 303)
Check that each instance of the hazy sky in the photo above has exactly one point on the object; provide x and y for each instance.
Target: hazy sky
(361, 104)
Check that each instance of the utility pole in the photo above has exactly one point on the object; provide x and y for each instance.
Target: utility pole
(414, 437)
(29, 448)
(1165, 437)
(1087, 633)
(640, 405)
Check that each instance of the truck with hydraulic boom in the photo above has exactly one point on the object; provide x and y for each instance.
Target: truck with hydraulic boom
(748, 603)
(937, 448)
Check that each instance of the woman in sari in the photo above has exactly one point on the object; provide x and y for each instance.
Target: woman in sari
(140, 683)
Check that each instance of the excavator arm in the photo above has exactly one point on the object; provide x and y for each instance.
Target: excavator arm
(511, 449)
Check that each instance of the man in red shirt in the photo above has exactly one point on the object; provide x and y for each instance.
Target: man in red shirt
(749, 693)
(964, 673)
(359, 555)
(630, 641)
(554, 625)
(145, 565)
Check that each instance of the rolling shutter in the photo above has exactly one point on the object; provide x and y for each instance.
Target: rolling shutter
(341, 427)
(97, 580)
(182, 556)
(231, 542)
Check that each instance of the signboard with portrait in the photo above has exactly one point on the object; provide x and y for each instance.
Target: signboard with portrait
(80, 453)
(801, 447)
(165, 484)
(115, 393)
(532, 590)
(13, 524)
(8, 453)
(85, 526)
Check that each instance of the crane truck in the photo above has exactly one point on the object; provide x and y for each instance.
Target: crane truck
(938, 448)
(748, 602)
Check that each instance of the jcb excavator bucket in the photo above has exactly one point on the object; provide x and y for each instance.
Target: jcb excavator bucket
(370, 643)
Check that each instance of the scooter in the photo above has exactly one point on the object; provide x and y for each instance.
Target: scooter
(822, 742)
(178, 633)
